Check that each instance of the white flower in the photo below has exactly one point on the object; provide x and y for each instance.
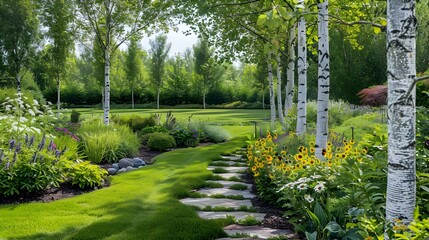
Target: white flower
(303, 180)
(35, 102)
(320, 187)
(302, 186)
(31, 112)
(308, 198)
(316, 176)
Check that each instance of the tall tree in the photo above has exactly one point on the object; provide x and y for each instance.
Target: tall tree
(323, 79)
(301, 124)
(132, 66)
(279, 90)
(159, 49)
(112, 22)
(271, 90)
(18, 35)
(290, 72)
(401, 74)
(57, 16)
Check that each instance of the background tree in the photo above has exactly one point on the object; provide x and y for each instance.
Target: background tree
(132, 64)
(159, 49)
(57, 16)
(18, 36)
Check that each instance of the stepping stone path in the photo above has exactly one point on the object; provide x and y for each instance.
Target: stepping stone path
(236, 203)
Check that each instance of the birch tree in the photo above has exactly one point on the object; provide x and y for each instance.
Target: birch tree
(279, 90)
(271, 90)
(401, 74)
(112, 22)
(290, 85)
(301, 125)
(323, 79)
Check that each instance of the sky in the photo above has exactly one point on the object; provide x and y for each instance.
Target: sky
(179, 41)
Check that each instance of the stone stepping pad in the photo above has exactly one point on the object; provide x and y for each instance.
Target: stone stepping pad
(216, 202)
(261, 232)
(226, 192)
(230, 175)
(229, 169)
(237, 215)
(229, 163)
(228, 184)
(232, 157)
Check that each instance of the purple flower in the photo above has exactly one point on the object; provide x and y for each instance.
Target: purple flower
(18, 147)
(427, 144)
(11, 144)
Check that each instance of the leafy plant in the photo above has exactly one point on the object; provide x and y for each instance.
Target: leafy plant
(161, 141)
(74, 116)
(85, 175)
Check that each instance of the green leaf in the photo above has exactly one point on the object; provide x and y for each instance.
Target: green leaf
(311, 236)
(377, 30)
(333, 227)
(261, 20)
(283, 12)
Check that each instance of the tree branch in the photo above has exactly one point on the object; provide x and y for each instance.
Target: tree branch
(233, 4)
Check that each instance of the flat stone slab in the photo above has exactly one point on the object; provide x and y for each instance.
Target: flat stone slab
(261, 232)
(229, 163)
(229, 169)
(226, 192)
(232, 157)
(215, 202)
(230, 175)
(228, 184)
(237, 215)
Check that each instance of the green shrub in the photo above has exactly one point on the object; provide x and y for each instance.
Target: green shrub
(74, 116)
(107, 143)
(85, 175)
(161, 141)
(139, 123)
(184, 136)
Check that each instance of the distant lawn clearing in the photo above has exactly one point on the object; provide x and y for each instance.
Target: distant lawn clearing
(138, 205)
(204, 115)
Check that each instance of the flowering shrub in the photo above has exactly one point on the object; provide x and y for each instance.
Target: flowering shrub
(319, 195)
(185, 137)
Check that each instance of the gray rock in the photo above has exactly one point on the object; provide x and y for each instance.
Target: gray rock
(129, 168)
(125, 162)
(115, 166)
(141, 166)
(122, 170)
(137, 162)
(112, 171)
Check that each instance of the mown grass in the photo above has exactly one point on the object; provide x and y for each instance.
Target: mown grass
(230, 116)
(142, 204)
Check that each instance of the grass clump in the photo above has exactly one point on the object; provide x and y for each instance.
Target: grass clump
(212, 185)
(219, 164)
(238, 186)
(219, 170)
(249, 221)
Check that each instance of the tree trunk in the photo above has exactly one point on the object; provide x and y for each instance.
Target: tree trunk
(18, 85)
(279, 90)
(106, 85)
(263, 98)
(204, 93)
(157, 96)
(323, 80)
(58, 98)
(301, 125)
(271, 89)
(132, 97)
(401, 72)
(290, 85)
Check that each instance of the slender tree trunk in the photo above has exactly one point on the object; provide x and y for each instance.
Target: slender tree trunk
(401, 72)
(132, 97)
(157, 96)
(18, 85)
(279, 90)
(58, 97)
(271, 88)
(290, 85)
(263, 98)
(204, 93)
(106, 85)
(323, 80)
(301, 125)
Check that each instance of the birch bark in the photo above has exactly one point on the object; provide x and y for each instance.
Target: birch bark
(271, 89)
(323, 80)
(290, 85)
(301, 125)
(401, 72)
(279, 90)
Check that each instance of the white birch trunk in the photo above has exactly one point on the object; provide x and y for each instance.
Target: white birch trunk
(106, 85)
(18, 85)
(401, 72)
(279, 90)
(323, 80)
(271, 89)
(301, 122)
(290, 85)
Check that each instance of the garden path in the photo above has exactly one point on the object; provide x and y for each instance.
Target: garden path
(232, 199)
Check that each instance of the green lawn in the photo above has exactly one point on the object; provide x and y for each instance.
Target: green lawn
(138, 205)
(204, 115)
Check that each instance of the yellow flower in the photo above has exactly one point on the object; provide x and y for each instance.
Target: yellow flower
(312, 162)
(312, 149)
(254, 168)
(271, 176)
(352, 142)
(329, 144)
(283, 152)
(269, 158)
(286, 169)
(256, 143)
(364, 151)
(255, 174)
